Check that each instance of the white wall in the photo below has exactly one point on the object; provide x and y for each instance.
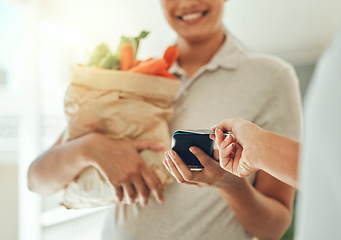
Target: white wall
(304, 74)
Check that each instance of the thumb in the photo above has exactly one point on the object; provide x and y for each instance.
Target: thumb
(147, 144)
(225, 125)
(219, 137)
(203, 158)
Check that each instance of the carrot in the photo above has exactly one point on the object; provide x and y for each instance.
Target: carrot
(166, 74)
(152, 67)
(136, 62)
(126, 52)
(148, 59)
(171, 55)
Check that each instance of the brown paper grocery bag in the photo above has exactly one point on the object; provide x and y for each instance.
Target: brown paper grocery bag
(121, 105)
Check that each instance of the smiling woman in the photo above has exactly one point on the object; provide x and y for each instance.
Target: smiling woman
(65, 28)
(218, 80)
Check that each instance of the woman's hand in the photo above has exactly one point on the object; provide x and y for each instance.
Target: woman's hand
(238, 155)
(211, 175)
(120, 161)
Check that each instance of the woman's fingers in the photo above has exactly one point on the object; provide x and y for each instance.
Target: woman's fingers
(227, 151)
(225, 156)
(211, 175)
(129, 192)
(226, 125)
(119, 192)
(227, 141)
(141, 189)
(165, 162)
(154, 184)
(183, 169)
(219, 137)
(120, 162)
(203, 158)
(178, 168)
(173, 169)
(237, 157)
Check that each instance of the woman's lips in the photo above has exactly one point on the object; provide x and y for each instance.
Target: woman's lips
(192, 17)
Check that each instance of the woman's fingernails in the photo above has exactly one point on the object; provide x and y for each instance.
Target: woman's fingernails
(227, 137)
(161, 200)
(164, 163)
(171, 154)
(142, 202)
(165, 154)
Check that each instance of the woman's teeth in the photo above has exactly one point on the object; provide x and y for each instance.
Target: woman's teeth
(192, 16)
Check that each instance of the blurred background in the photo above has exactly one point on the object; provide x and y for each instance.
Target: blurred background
(39, 39)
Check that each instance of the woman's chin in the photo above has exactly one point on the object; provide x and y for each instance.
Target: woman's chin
(194, 38)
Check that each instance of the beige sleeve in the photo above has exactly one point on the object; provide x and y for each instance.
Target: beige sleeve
(282, 112)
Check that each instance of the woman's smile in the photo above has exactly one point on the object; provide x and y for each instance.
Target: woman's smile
(195, 20)
(192, 17)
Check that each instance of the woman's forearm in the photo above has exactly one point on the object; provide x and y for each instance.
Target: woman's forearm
(258, 149)
(261, 216)
(57, 167)
(280, 157)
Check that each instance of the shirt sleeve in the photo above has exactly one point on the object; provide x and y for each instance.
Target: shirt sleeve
(282, 112)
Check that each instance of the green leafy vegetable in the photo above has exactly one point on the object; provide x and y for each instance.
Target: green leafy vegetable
(101, 51)
(104, 58)
(134, 41)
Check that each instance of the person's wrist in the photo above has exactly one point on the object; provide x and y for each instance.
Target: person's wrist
(264, 148)
(84, 150)
(228, 181)
(234, 184)
(254, 149)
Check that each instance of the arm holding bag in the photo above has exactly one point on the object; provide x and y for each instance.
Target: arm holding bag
(121, 105)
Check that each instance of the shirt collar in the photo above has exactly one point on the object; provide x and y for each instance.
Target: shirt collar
(227, 57)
